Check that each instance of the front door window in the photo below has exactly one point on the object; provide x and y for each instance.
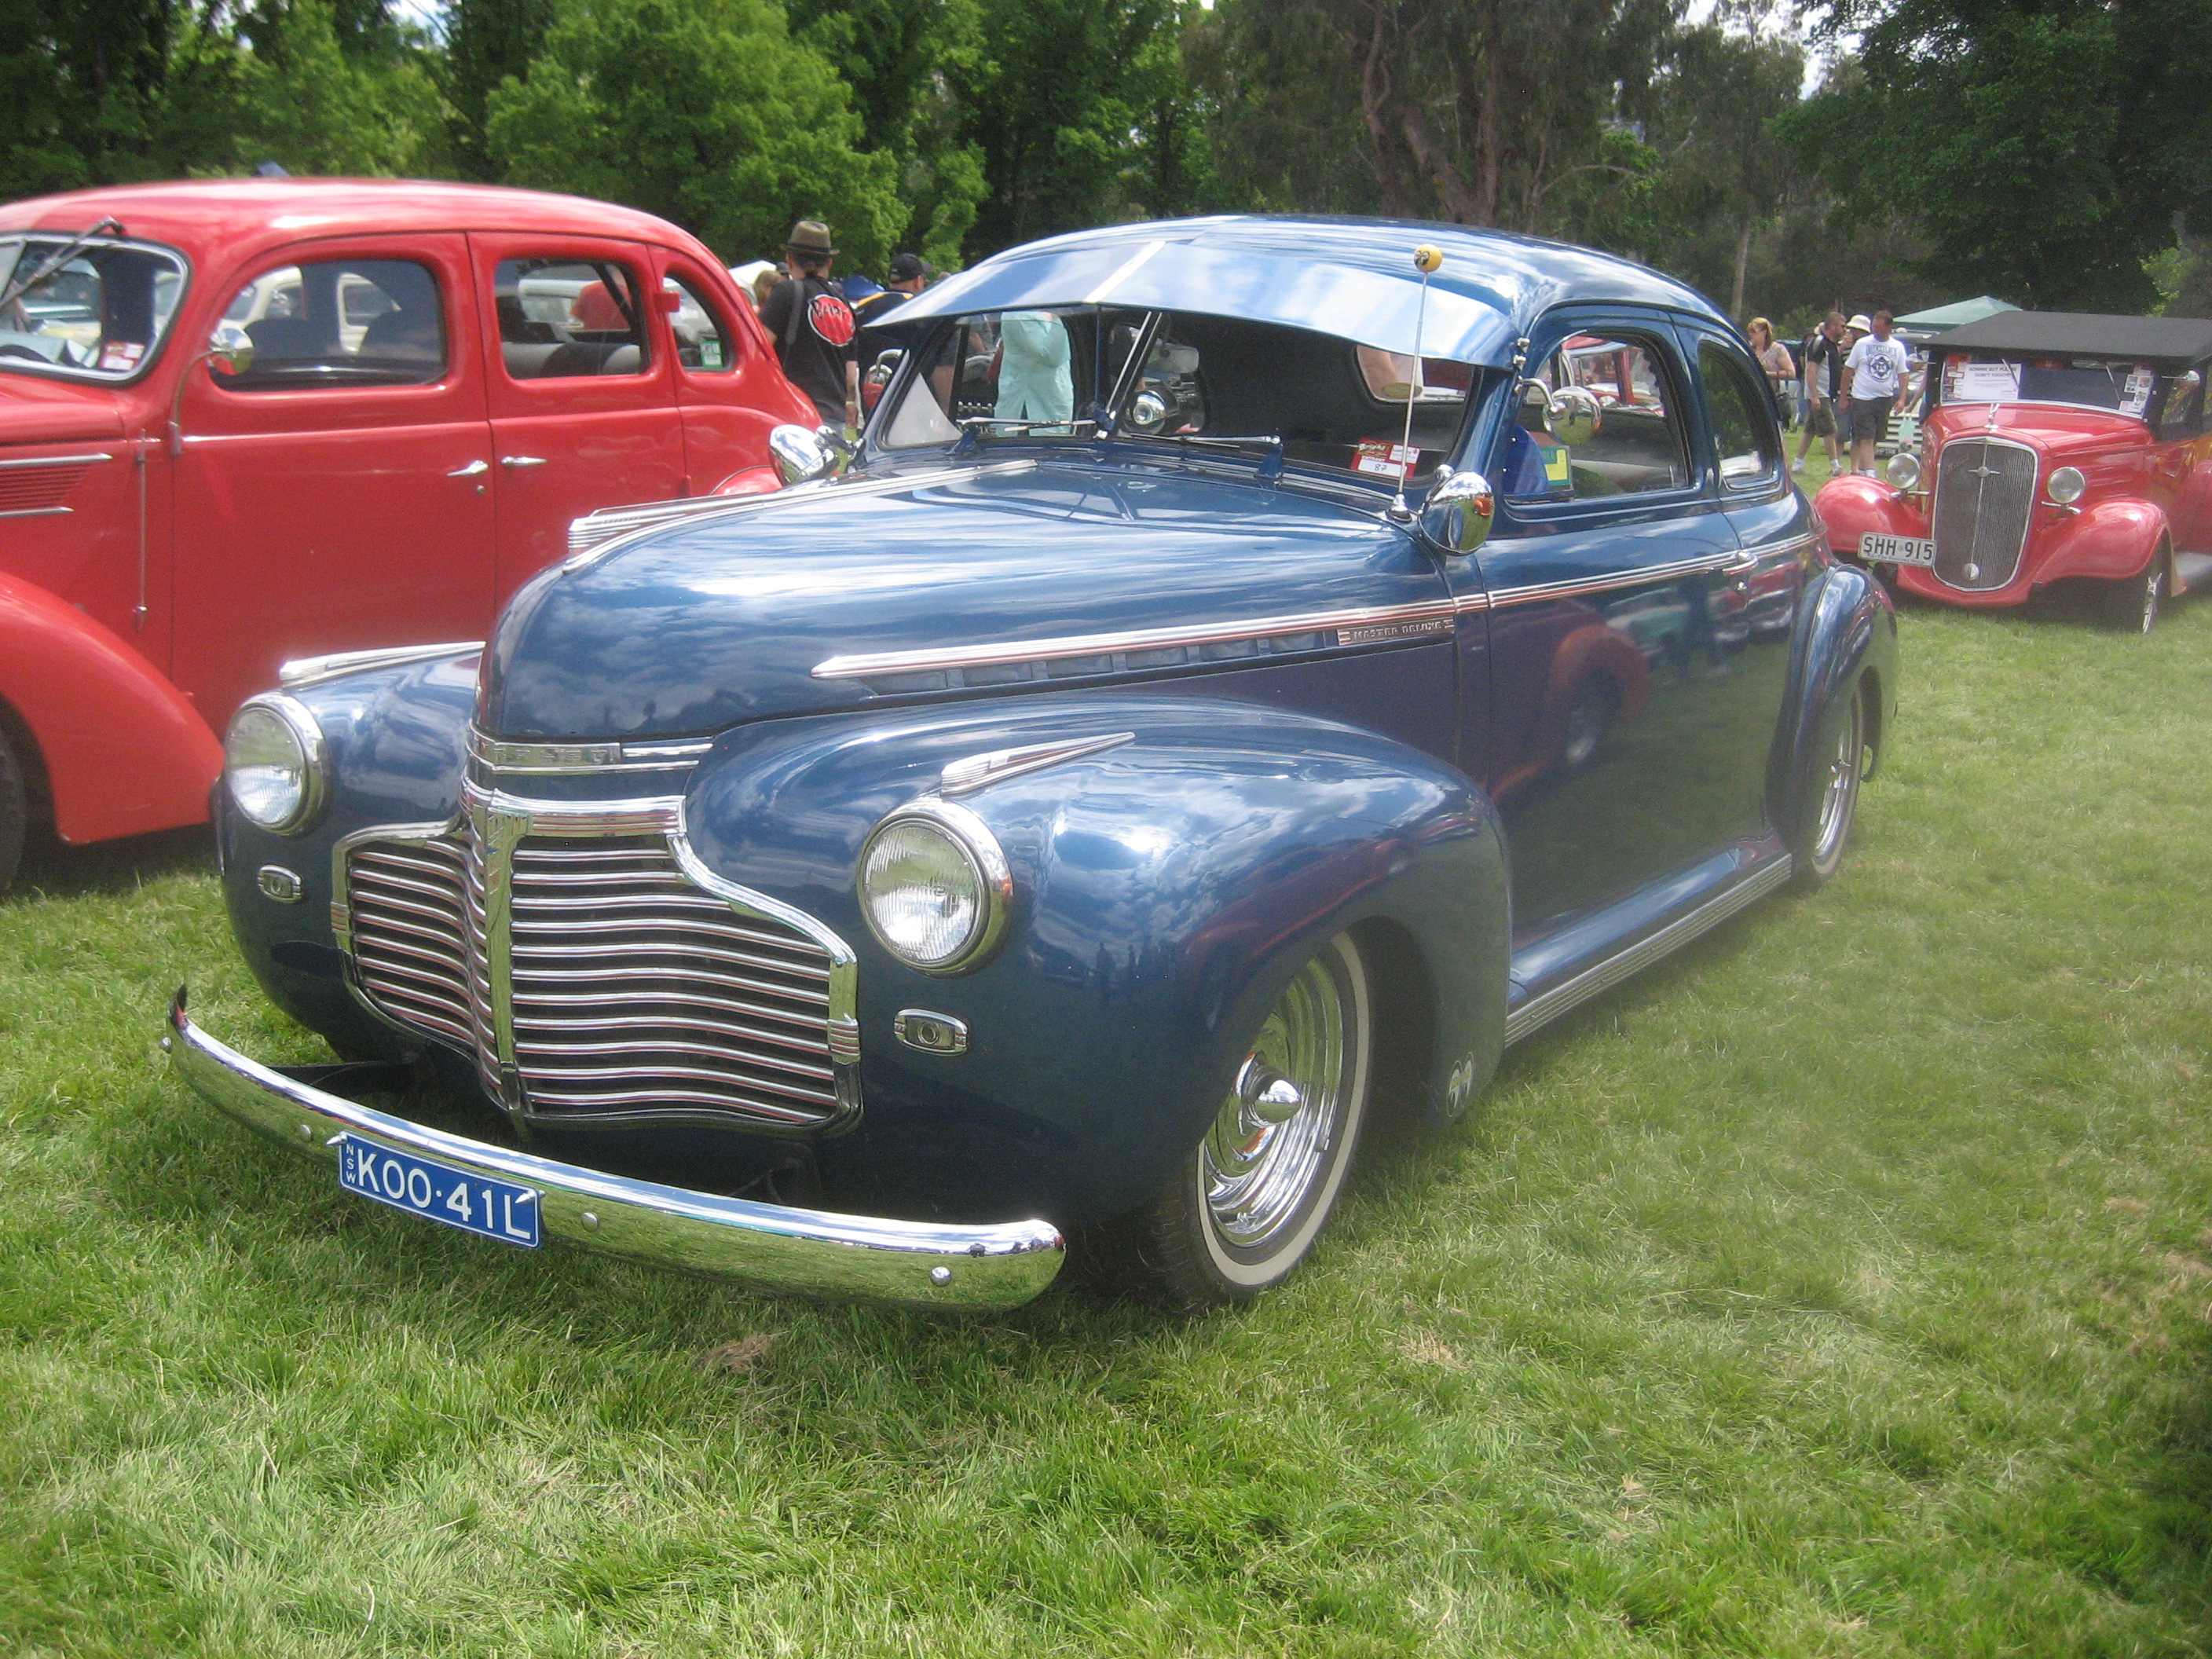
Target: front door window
(338, 323)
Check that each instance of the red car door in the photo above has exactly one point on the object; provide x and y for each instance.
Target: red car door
(731, 391)
(583, 398)
(332, 496)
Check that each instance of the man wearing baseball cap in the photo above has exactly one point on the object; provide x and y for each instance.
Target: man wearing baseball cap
(1874, 381)
(910, 275)
(813, 327)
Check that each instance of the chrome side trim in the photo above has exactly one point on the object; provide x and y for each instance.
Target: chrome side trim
(1366, 625)
(37, 512)
(965, 776)
(599, 535)
(771, 1247)
(577, 759)
(312, 671)
(58, 460)
(1533, 1015)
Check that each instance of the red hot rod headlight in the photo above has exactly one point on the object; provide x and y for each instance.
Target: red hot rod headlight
(2066, 486)
(275, 765)
(934, 886)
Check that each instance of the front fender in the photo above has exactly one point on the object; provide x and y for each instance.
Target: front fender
(123, 751)
(1849, 625)
(1853, 504)
(1165, 890)
(2111, 540)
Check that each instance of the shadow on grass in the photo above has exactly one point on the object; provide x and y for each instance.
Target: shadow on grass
(54, 870)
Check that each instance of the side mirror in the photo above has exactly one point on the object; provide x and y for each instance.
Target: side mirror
(1456, 516)
(801, 456)
(1148, 412)
(1573, 415)
(885, 366)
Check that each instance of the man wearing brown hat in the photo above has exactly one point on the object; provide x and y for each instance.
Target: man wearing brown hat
(813, 327)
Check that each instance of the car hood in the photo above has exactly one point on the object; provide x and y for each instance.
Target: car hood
(717, 620)
(37, 411)
(2059, 431)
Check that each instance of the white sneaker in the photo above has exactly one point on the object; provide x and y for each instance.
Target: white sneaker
(1797, 465)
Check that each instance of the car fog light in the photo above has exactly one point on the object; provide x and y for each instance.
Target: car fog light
(934, 886)
(1904, 470)
(2067, 485)
(274, 764)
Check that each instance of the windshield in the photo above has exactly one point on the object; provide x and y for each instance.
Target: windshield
(2086, 382)
(1224, 381)
(97, 316)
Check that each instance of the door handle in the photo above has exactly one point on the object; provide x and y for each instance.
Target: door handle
(522, 460)
(472, 470)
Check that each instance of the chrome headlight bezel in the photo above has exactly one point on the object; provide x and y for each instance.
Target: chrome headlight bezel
(1903, 471)
(971, 840)
(298, 724)
(2066, 486)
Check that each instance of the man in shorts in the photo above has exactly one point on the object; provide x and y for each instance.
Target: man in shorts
(1822, 360)
(1875, 384)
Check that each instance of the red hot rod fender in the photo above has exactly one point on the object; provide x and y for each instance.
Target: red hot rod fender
(1853, 504)
(2111, 540)
(121, 749)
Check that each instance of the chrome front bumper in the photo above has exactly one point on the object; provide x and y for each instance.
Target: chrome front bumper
(766, 1246)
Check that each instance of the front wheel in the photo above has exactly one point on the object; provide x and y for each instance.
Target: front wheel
(1246, 1204)
(1831, 796)
(2132, 606)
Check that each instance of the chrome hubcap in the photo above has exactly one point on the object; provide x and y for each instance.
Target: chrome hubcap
(1270, 1145)
(1842, 787)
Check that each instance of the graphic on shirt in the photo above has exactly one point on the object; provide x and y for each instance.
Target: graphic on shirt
(830, 318)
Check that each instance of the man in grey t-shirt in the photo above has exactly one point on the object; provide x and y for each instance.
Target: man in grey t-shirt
(1875, 383)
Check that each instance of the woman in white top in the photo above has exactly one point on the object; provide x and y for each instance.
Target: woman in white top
(1773, 360)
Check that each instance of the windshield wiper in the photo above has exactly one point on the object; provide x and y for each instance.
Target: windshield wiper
(70, 251)
(1270, 469)
(973, 427)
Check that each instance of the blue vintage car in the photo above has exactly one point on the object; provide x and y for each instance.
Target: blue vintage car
(1243, 682)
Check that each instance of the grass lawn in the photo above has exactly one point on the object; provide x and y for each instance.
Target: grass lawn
(1840, 1287)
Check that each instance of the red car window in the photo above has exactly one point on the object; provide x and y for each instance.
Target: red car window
(338, 323)
(565, 319)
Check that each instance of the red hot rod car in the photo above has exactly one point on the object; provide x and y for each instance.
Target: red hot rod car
(247, 421)
(2059, 446)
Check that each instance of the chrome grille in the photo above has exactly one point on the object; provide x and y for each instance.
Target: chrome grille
(633, 987)
(1985, 492)
(633, 991)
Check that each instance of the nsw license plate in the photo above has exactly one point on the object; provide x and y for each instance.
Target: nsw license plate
(474, 1203)
(1877, 549)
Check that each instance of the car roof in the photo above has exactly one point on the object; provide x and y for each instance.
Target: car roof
(1353, 277)
(208, 213)
(2176, 341)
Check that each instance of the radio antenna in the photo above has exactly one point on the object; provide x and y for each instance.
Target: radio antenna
(1428, 259)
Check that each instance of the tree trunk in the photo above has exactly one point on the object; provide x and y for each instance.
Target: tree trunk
(1742, 265)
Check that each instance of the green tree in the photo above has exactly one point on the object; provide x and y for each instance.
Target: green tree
(326, 91)
(2045, 145)
(487, 42)
(706, 112)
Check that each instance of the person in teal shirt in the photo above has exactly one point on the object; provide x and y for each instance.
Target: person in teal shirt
(1034, 381)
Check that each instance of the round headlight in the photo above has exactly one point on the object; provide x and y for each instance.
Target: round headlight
(272, 762)
(2067, 485)
(1905, 469)
(934, 886)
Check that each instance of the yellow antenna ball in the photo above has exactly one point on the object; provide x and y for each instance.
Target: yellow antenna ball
(1428, 258)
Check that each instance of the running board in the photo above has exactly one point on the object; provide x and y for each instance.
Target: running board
(1539, 1012)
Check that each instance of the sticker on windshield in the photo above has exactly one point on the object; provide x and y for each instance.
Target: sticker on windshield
(2137, 397)
(120, 355)
(1983, 383)
(1380, 455)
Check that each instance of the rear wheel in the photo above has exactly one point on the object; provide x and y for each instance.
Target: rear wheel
(2132, 606)
(1832, 795)
(1245, 1205)
(14, 809)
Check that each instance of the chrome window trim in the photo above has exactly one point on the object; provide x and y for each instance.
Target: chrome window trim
(974, 837)
(314, 670)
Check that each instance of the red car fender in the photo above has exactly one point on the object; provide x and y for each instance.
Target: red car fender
(1853, 504)
(2111, 539)
(124, 752)
(753, 481)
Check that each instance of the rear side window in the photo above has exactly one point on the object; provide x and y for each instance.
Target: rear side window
(1598, 418)
(704, 343)
(1743, 424)
(564, 319)
(338, 322)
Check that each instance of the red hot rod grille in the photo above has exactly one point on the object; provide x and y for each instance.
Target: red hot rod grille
(1985, 492)
(629, 991)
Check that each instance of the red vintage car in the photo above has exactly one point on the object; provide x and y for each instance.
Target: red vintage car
(249, 421)
(2059, 446)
